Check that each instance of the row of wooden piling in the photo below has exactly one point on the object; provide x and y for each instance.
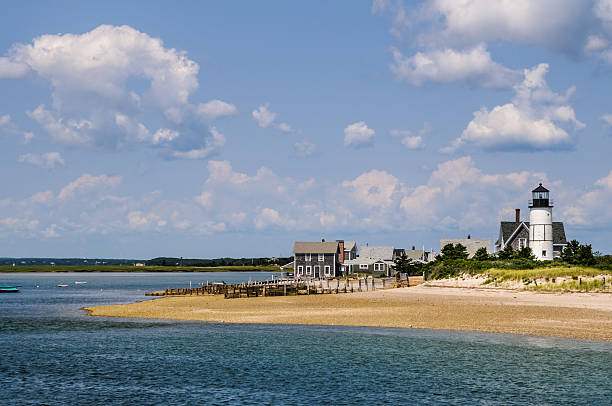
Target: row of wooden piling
(288, 288)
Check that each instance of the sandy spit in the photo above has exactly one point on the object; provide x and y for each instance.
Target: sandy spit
(569, 315)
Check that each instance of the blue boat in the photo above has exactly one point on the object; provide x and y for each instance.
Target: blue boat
(9, 289)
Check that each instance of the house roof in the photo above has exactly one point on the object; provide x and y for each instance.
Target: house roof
(507, 228)
(349, 245)
(540, 188)
(367, 261)
(288, 266)
(376, 252)
(414, 254)
(315, 247)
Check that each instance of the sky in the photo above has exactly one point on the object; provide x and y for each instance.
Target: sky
(233, 128)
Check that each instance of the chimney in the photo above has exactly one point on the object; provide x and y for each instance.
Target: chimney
(322, 239)
(341, 247)
(518, 215)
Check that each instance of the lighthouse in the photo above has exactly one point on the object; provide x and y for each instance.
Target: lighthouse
(540, 224)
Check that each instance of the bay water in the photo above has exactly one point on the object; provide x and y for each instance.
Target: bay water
(52, 353)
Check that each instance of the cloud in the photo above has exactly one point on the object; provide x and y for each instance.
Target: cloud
(411, 141)
(358, 134)
(559, 25)
(304, 148)
(263, 116)
(204, 199)
(47, 160)
(215, 108)
(269, 217)
(459, 195)
(373, 189)
(213, 144)
(87, 182)
(114, 87)
(473, 65)
(50, 232)
(9, 128)
(607, 119)
(284, 127)
(12, 70)
(532, 121)
(592, 208)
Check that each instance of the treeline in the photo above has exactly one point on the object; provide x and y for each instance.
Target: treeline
(66, 261)
(171, 261)
(453, 260)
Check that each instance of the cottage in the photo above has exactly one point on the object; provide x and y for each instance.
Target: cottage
(318, 259)
(372, 260)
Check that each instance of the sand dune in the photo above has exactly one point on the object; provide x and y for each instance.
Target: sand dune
(572, 315)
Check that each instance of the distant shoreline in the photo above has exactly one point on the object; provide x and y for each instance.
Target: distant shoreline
(568, 315)
(132, 269)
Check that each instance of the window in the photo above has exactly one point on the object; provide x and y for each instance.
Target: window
(379, 267)
(300, 270)
(327, 270)
(544, 253)
(363, 266)
(522, 243)
(317, 270)
(321, 257)
(308, 270)
(307, 257)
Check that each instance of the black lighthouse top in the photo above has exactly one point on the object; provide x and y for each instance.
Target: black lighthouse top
(540, 197)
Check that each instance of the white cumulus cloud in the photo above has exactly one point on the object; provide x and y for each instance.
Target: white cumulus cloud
(534, 120)
(87, 182)
(473, 65)
(215, 108)
(263, 116)
(358, 134)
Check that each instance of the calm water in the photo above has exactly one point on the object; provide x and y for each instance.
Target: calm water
(51, 353)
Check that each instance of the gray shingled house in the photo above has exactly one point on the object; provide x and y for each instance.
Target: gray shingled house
(372, 260)
(318, 259)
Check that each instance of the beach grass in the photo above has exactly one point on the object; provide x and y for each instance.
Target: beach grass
(132, 268)
(542, 273)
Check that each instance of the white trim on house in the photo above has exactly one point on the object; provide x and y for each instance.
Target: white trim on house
(307, 257)
(308, 270)
(321, 257)
(327, 269)
(300, 270)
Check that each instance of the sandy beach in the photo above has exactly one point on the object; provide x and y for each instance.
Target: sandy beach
(570, 315)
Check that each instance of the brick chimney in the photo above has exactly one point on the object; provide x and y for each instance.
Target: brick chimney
(518, 215)
(341, 247)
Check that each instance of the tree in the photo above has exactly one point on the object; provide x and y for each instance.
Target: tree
(401, 264)
(578, 254)
(506, 253)
(481, 254)
(456, 251)
(525, 253)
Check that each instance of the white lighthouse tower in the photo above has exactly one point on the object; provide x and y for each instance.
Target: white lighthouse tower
(540, 224)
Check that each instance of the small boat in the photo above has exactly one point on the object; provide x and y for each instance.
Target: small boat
(62, 285)
(9, 289)
(79, 283)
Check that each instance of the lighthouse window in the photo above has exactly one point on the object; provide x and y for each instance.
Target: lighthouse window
(544, 253)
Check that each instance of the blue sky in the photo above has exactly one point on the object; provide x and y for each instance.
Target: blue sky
(207, 129)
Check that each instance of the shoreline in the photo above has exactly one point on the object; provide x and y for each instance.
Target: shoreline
(565, 315)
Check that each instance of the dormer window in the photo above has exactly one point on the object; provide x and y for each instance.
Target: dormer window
(321, 257)
(307, 257)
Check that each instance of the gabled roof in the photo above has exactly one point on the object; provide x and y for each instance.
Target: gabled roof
(508, 228)
(315, 247)
(415, 254)
(376, 252)
(349, 245)
(367, 261)
(540, 189)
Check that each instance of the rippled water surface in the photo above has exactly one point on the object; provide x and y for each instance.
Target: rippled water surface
(52, 353)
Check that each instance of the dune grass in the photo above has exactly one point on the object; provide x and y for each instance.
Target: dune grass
(542, 273)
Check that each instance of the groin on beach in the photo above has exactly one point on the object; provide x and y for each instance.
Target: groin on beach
(290, 287)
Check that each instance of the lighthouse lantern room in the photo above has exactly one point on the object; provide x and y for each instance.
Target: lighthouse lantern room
(540, 224)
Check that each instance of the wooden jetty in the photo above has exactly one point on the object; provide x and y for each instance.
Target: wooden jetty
(290, 287)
